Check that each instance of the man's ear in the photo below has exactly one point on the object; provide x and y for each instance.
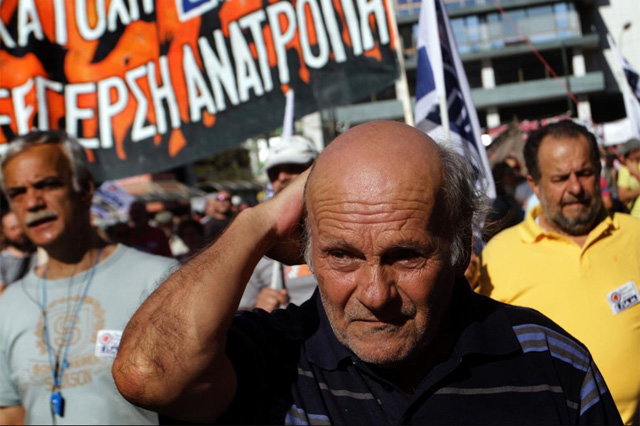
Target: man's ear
(534, 185)
(86, 194)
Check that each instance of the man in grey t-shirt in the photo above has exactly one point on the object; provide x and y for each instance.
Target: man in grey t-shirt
(60, 326)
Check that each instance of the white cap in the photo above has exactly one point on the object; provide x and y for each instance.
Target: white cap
(629, 146)
(291, 150)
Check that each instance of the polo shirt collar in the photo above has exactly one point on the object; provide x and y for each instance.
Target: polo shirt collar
(480, 327)
(483, 326)
(532, 232)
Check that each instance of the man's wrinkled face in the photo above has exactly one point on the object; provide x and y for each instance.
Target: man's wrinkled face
(383, 273)
(39, 187)
(569, 185)
(12, 232)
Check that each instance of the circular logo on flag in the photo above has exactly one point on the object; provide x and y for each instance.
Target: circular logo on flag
(105, 338)
(615, 297)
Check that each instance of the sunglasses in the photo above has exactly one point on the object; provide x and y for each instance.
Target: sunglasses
(223, 198)
(291, 169)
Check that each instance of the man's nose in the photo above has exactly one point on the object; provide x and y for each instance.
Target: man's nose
(34, 199)
(574, 185)
(376, 288)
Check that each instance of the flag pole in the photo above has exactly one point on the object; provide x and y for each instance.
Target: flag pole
(288, 121)
(402, 86)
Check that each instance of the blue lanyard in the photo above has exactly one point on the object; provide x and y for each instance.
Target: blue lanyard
(58, 370)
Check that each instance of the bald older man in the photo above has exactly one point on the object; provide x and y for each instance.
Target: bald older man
(393, 335)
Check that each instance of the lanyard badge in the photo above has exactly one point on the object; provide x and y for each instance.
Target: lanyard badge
(57, 403)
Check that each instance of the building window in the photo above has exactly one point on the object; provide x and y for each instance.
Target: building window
(455, 4)
(493, 30)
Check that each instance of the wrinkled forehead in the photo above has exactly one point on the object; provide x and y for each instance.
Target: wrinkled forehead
(372, 194)
(376, 164)
(557, 153)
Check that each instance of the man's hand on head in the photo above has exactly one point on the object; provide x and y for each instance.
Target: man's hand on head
(286, 209)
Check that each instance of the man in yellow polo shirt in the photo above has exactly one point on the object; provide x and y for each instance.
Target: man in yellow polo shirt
(573, 262)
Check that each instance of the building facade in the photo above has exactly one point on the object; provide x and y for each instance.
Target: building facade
(498, 41)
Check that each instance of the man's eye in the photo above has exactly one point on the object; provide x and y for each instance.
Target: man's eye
(48, 184)
(14, 194)
(338, 254)
(403, 257)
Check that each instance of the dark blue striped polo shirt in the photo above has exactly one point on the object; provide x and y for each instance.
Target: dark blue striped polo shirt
(508, 365)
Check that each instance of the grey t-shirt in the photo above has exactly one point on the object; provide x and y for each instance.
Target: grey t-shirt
(119, 285)
(298, 280)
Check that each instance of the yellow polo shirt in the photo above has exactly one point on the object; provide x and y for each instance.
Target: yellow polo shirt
(579, 288)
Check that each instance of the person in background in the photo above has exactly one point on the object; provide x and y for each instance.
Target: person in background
(629, 177)
(605, 193)
(610, 167)
(165, 220)
(60, 325)
(143, 236)
(573, 261)
(273, 285)
(505, 210)
(191, 232)
(119, 233)
(219, 214)
(18, 253)
(522, 189)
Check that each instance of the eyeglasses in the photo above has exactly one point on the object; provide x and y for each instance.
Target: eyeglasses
(223, 198)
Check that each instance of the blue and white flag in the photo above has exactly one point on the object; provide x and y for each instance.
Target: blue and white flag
(630, 94)
(632, 76)
(441, 76)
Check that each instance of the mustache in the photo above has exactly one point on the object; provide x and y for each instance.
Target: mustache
(35, 217)
(390, 314)
(584, 199)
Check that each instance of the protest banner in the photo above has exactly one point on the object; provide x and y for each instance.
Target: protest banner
(146, 85)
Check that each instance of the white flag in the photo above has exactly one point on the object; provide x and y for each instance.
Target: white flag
(440, 75)
(630, 94)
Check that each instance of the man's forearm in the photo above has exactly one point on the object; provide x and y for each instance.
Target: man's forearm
(171, 358)
(627, 194)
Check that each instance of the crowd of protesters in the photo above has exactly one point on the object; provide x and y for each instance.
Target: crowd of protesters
(562, 235)
(515, 197)
(177, 234)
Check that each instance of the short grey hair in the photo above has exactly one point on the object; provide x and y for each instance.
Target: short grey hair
(463, 210)
(465, 207)
(80, 173)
